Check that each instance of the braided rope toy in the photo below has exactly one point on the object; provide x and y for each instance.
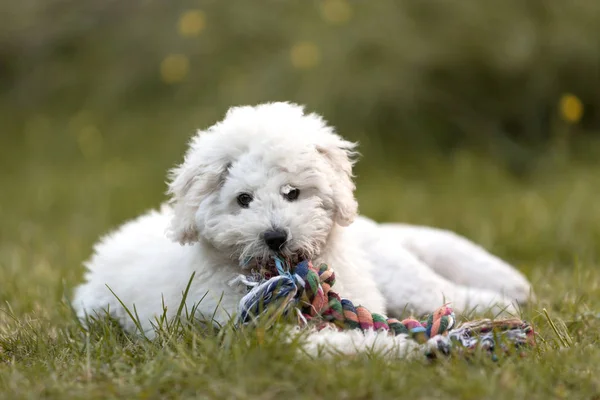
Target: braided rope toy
(305, 291)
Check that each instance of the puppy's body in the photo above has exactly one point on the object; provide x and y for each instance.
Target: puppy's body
(273, 170)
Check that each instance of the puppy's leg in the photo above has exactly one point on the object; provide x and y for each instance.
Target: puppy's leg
(407, 282)
(449, 255)
(459, 260)
(329, 342)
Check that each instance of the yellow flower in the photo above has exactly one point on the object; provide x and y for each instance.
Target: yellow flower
(571, 108)
(191, 23)
(336, 11)
(174, 68)
(305, 55)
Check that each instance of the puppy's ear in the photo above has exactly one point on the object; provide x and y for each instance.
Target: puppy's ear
(190, 183)
(341, 155)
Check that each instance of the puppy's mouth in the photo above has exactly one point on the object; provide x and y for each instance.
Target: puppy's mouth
(267, 266)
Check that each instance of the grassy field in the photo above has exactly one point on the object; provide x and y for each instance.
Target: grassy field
(62, 185)
(98, 99)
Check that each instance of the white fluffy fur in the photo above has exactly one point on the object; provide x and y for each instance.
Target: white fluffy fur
(263, 150)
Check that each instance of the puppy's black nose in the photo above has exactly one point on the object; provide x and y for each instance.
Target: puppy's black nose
(275, 239)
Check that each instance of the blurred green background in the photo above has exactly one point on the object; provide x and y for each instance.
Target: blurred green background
(476, 116)
(480, 117)
(401, 76)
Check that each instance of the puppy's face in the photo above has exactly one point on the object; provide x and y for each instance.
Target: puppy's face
(266, 180)
(270, 201)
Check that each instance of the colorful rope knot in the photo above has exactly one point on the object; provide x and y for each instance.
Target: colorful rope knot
(305, 291)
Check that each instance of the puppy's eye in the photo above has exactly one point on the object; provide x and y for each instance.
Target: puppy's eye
(244, 200)
(292, 194)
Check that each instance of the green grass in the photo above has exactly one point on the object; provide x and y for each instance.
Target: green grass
(54, 204)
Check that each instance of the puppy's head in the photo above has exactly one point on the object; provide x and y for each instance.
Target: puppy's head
(265, 180)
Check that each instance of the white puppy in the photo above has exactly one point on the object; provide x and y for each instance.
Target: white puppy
(272, 179)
